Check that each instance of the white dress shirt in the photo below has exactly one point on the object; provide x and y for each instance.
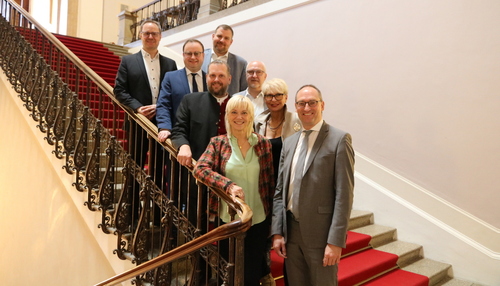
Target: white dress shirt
(152, 65)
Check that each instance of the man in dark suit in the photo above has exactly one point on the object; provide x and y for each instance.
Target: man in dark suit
(314, 195)
(137, 85)
(200, 116)
(178, 83)
(222, 40)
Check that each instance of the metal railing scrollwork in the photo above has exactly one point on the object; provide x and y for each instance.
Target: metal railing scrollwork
(143, 203)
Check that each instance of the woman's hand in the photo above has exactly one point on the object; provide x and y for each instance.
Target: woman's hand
(236, 191)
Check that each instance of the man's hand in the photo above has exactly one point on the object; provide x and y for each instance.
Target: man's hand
(147, 110)
(279, 245)
(184, 157)
(163, 135)
(332, 255)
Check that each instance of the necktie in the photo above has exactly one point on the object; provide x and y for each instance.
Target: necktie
(299, 170)
(195, 85)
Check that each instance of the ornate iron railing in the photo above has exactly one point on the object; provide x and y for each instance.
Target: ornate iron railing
(172, 13)
(81, 119)
(169, 13)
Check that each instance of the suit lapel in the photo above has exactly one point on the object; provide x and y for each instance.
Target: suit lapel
(204, 79)
(183, 78)
(142, 67)
(287, 164)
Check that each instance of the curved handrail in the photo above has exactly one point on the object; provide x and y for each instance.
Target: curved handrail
(228, 230)
(219, 233)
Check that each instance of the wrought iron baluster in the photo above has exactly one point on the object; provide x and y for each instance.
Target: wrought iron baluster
(107, 188)
(81, 150)
(92, 174)
(60, 123)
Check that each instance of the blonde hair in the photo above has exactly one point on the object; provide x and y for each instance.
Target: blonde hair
(242, 102)
(275, 85)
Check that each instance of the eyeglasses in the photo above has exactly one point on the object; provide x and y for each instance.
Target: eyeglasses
(256, 72)
(190, 54)
(277, 96)
(311, 103)
(147, 34)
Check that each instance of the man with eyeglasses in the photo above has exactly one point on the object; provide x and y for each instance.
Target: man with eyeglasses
(255, 77)
(222, 39)
(178, 83)
(137, 86)
(314, 195)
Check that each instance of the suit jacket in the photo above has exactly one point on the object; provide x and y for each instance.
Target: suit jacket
(173, 88)
(132, 85)
(291, 125)
(238, 67)
(326, 189)
(196, 122)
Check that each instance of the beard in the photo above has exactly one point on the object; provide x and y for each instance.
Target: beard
(220, 92)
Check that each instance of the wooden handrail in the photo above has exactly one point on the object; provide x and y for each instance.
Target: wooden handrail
(222, 232)
(18, 15)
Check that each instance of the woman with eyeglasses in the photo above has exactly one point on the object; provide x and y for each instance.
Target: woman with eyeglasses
(240, 163)
(276, 123)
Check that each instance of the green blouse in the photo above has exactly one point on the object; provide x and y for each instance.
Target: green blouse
(244, 172)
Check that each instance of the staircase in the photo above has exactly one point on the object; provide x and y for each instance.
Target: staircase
(374, 257)
(104, 60)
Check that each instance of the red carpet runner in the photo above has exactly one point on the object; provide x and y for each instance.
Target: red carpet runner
(360, 263)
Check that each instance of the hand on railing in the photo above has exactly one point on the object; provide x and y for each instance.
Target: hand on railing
(163, 135)
(147, 110)
(236, 191)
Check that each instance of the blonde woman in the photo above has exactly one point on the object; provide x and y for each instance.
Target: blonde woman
(276, 123)
(240, 163)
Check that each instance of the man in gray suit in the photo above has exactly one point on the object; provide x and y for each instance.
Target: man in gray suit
(314, 195)
(222, 40)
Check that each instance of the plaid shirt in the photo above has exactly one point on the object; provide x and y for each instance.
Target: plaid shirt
(210, 169)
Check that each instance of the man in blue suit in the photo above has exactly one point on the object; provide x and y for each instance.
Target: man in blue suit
(222, 40)
(178, 83)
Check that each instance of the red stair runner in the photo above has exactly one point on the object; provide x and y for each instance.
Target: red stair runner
(364, 265)
(399, 277)
(104, 62)
(360, 263)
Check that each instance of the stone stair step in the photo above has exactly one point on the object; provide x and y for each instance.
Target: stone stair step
(436, 271)
(360, 218)
(116, 49)
(407, 252)
(457, 282)
(380, 234)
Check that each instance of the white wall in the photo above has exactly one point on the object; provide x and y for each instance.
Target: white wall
(416, 84)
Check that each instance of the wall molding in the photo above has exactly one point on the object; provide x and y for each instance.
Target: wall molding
(463, 225)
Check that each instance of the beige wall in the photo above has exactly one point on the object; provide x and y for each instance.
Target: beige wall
(45, 241)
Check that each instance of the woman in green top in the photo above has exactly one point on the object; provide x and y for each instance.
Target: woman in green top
(241, 163)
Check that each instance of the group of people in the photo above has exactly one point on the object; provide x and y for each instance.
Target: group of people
(293, 169)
